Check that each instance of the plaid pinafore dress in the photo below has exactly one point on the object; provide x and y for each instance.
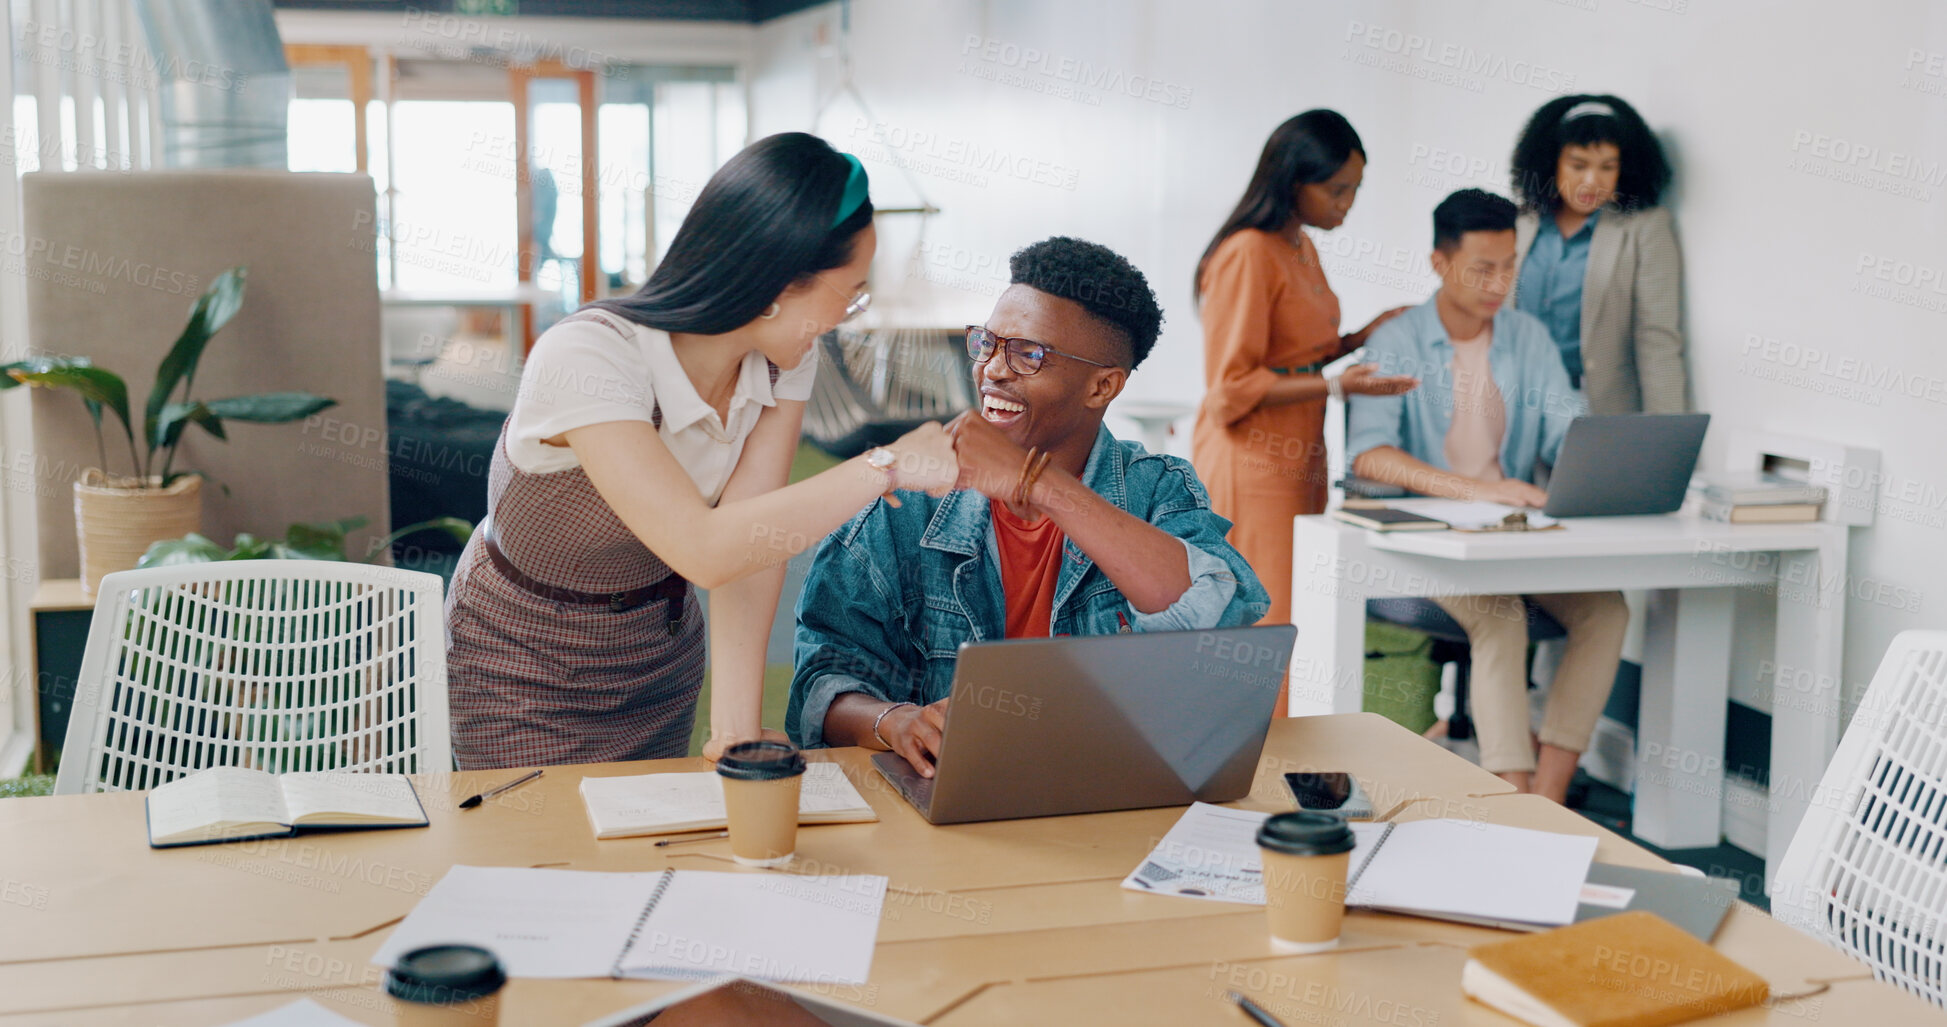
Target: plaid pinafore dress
(534, 680)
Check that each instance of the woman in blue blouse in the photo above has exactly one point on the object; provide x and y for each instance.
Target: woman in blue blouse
(1599, 263)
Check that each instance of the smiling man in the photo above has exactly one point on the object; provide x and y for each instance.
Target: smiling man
(1059, 528)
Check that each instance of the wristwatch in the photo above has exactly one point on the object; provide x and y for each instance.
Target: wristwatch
(882, 459)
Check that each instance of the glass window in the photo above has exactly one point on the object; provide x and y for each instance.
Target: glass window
(322, 136)
(455, 232)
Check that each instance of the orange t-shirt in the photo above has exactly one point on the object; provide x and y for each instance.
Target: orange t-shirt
(1030, 565)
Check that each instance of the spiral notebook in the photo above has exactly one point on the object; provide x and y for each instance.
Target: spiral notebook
(661, 925)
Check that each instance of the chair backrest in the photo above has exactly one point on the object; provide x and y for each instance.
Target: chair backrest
(1867, 869)
(277, 665)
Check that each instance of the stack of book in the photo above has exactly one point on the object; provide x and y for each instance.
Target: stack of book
(1758, 497)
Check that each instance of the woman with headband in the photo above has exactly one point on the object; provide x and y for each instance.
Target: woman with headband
(1599, 263)
(647, 451)
(1270, 325)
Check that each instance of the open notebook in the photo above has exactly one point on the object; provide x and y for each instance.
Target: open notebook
(625, 807)
(226, 804)
(664, 925)
(1438, 868)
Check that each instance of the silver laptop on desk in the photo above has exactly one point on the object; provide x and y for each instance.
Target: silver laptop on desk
(1621, 464)
(1044, 727)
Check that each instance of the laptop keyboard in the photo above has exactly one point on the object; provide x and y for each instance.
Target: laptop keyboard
(917, 790)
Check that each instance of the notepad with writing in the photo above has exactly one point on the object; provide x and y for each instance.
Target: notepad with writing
(642, 804)
(665, 925)
(226, 804)
(1629, 970)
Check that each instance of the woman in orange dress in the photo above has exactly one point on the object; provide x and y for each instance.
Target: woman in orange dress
(1270, 325)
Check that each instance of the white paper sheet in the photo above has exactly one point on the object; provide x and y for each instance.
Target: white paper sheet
(577, 923)
(540, 923)
(1459, 867)
(621, 807)
(1469, 868)
(1466, 515)
(779, 927)
(302, 1013)
(184, 807)
(383, 797)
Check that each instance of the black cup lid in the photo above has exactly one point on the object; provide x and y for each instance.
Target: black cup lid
(761, 761)
(1305, 833)
(444, 974)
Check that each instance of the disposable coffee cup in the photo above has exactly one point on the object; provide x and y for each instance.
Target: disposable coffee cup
(1305, 856)
(761, 781)
(446, 986)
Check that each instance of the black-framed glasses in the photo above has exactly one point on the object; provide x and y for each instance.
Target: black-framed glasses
(1024, 356)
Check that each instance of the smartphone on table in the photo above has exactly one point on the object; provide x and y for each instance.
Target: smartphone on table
(1330, 792)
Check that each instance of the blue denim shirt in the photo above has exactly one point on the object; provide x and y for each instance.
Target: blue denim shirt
(1551, 286)
(892, 594)
(1526, 368)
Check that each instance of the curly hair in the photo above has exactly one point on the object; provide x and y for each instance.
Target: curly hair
(1645, 173)
(1098, 278)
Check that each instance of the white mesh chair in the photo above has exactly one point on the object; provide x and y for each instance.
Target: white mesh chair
(1867, 869)
(277, 665)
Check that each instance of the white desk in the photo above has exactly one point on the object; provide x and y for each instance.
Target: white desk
(1690, 566)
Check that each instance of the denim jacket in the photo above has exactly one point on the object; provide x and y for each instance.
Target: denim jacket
(1526, 367)
(892, 594)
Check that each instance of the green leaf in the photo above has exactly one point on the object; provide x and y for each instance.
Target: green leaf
(191, 548)
(287, 551)
(320, 541)
(212, 311)
(10, 380)
(270, 407)
(249, 547)
(177, 416)
(458, 527)
(93, 383)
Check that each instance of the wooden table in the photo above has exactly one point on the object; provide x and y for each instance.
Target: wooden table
(1007, 922)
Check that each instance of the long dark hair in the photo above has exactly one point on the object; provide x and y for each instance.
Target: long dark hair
(762, 223)
(1309, 147)
(1644, 173)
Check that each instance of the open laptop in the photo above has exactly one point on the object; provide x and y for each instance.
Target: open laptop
(1621, 464)
(1044, 727)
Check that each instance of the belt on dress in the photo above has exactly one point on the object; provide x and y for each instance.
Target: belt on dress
(1307, 369)
(671, 588)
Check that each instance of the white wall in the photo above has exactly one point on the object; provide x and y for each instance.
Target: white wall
(1780, 243)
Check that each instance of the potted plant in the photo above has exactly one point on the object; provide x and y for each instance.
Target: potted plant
(324, 541)
(118, 516)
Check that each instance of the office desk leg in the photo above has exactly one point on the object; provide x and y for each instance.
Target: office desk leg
(1806, 690)
(1329, 607)
(1680, 726)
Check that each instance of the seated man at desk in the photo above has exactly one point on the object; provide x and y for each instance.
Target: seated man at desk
(1060, 528)
(1494, 400)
